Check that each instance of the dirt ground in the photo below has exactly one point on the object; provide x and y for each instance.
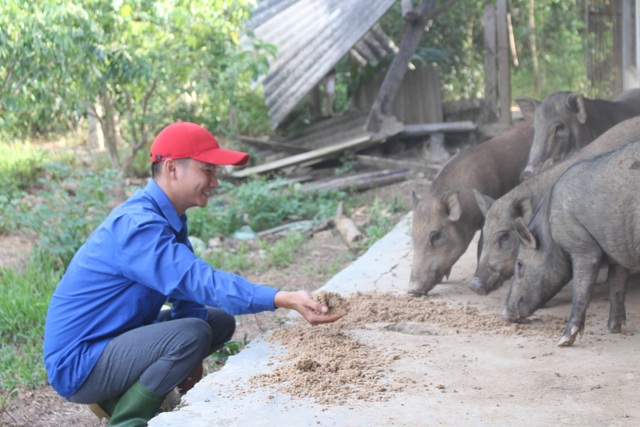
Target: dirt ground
(319, 259)
(465, 355)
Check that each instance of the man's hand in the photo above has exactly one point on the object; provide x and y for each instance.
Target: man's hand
(310, 309)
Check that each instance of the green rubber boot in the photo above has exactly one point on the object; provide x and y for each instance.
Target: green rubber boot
(135, 407)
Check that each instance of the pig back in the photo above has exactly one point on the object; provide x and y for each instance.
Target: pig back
(597, 202)
(492, 167)
(538, 185)
(630, 99)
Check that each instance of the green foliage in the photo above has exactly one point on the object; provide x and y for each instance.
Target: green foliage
(149, 63)
(260, 205)
(221, 217)
(347, 163)
(280, 253)
(230, 259)
(23, 306)
(560, 45)
(20, 167)
(231, 348)
(382, 218)
(72, 205)
(455, 41)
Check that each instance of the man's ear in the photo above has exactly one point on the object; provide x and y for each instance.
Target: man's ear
(169, 167)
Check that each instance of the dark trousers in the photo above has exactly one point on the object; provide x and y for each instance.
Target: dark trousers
(160, 355)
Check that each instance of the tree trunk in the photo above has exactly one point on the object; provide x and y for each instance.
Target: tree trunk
(534, 48)
(111, 130)
(95, 138)
(504, 74)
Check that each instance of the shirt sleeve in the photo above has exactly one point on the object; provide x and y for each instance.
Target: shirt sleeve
(153, 257)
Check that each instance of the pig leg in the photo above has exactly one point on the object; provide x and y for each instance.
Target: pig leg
(617, 281)
(585, 272)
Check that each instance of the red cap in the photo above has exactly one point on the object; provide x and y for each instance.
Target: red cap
(182, 140)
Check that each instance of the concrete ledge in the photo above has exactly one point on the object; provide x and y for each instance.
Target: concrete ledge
(225, 398)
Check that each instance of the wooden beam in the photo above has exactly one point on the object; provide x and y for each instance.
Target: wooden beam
(428, 128)
(490, 61)
(361, 181)
(385, 163)
(310, 156)
(272, 145)
(398, 68)
(391, 127)
(416, 20)
(504, 78)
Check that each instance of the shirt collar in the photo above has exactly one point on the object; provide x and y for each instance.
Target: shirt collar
(164, 204)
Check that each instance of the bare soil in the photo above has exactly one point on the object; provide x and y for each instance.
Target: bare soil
(321, 257)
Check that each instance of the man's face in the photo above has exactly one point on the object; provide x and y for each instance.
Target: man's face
(197, 181)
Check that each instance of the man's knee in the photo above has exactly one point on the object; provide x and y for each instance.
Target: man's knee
(223, 326)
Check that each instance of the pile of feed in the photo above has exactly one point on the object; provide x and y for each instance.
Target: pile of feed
(327, 363)
(333, 301)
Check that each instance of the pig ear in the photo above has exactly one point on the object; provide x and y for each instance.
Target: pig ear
(484, 202)
(575, 102)
(527, 107)
(523, 207)
(451, 204)
(414, 198)
(526, 236)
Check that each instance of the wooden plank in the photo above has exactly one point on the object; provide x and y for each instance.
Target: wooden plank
(490, 61)
(313, 155)
(428, 128)
(385, 163)
(361, 181)
(272, 145)
(390, 127)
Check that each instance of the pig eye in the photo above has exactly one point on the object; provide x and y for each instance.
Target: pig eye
(519, 267)
(503, 238)
(434, 237)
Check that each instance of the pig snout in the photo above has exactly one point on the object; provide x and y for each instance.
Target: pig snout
(418, 289)
(478, 287)
(423, 281)
(509, 315)
(527, 173)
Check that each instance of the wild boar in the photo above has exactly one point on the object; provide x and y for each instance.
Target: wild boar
(589, 218)
(567, 121)
(446, 217)
(500, 242)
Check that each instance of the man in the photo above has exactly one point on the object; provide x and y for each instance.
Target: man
(106, 339)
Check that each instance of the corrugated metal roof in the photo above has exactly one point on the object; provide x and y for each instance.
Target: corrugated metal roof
(311, 37)
(374, 46)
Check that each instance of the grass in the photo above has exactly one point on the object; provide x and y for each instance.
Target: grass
(281, 253)
(23, 306)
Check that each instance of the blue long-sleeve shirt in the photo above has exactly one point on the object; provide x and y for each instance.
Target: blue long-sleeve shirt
(135, 261)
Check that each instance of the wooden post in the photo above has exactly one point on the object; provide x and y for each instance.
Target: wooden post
(629, 79)
(490, 62)
(398, 67)
(504, 78)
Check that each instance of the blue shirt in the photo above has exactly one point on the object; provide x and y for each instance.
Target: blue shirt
(135, 261)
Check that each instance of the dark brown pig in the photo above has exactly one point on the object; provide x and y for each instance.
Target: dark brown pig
(589, 218)
(567, 121)
(500, 242)
(446, 217)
